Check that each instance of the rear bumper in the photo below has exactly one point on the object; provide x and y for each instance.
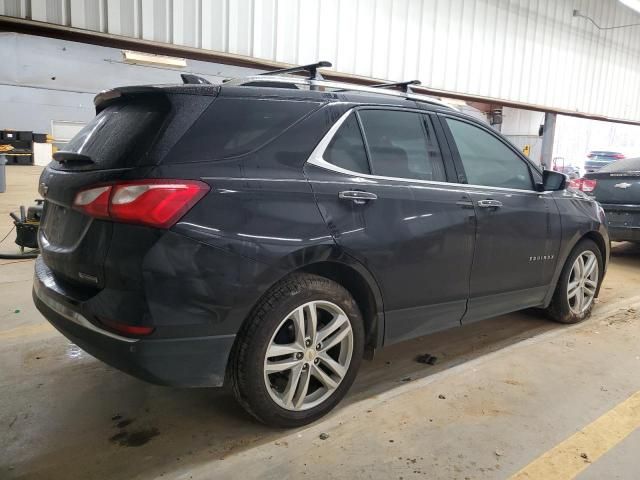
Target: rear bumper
(624, 234)
(181, 362)
(623, 222)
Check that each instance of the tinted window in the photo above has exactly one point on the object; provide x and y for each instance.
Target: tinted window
(120, 134)
(402, 144)
(346, 149)
(235, 126)
(488, 161)
(626, 165)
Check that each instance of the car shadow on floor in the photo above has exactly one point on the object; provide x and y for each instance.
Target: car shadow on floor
(125, 428)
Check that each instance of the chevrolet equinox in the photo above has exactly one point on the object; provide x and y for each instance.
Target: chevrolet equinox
(271, 231)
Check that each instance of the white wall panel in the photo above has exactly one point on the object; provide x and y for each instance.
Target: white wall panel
(287, 38)
(215, 25)
(241, 18)
(529, 51)
(309, 28)
(327, 40)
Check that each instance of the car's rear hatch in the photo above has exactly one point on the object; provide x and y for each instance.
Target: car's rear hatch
(617, 188)
(132, 130)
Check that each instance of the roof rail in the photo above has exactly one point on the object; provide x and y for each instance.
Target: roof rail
(404, 86)
(316, 82)
(311, 68)
(190, 79)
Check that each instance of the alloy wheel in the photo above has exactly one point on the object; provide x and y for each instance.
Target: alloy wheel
(308, 355)
(583, 282)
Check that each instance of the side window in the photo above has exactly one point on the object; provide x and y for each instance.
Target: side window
(236, 126)
(346, 149)
(486, 160)
(402, 144)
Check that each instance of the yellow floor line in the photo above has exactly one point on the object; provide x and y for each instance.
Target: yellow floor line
(26, 330)
(567, 459)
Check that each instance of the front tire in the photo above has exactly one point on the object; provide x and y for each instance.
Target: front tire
(577, 286)
(299, 351)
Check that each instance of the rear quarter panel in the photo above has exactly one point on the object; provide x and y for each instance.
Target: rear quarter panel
(259, 222)
(260, 205)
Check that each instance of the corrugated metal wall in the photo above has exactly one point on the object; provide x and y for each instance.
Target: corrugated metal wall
(529, 51)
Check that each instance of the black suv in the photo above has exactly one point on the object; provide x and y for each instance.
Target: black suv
(272, 231)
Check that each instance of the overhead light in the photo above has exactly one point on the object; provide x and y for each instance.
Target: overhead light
(150, 59)
(632, 4)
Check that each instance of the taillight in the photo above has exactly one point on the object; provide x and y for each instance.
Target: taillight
(156, 202)
(588, 185)
(575, 183)
(585, 184)
(618, 155)
(94, 201)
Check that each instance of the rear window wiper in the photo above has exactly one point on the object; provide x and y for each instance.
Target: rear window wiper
(72, 158)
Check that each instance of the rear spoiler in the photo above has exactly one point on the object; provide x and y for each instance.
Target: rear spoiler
(104, 98)
(62, 156)
(107, 96)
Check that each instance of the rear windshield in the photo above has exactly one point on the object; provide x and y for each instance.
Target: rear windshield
(234, 126)
(119, 136)
(626, 165)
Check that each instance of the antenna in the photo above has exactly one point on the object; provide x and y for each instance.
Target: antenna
(311, 68)
(404, 86)
(190, 79)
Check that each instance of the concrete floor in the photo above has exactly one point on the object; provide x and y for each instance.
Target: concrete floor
(504, 393)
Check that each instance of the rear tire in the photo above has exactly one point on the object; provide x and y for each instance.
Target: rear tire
(575, 292)
(286, 372)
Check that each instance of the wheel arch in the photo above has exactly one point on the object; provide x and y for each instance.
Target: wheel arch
(362, 288)
(600, 242)
(337, 266)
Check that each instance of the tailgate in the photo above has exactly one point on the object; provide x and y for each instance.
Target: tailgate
(73, 244)
(617, 218)
(617, 188)
(129, 136)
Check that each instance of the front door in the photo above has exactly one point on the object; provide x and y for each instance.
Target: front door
(381, 184)
(518, 228)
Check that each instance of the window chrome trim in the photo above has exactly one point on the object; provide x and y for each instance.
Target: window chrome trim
(317, 159)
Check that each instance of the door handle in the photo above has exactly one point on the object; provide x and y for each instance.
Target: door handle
(357, 196)
(489, 203)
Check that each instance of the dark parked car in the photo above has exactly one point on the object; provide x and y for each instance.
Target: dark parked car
(617, 188)
(600, 158)
(272, 237)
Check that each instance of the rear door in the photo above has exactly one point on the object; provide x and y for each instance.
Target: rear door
(380, 179)
(518, 228)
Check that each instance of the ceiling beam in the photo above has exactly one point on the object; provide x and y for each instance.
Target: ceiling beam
(44, 29)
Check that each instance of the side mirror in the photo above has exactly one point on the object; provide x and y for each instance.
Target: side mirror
(552, 181)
